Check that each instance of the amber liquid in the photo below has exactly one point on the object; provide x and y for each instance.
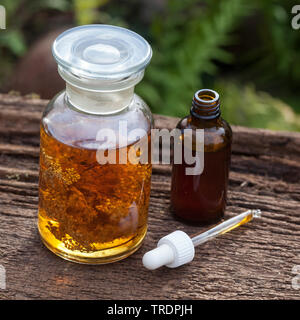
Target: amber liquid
(88, 212)
(202, 198)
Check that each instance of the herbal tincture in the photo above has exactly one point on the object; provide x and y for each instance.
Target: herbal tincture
(89, 211)
(202, 198)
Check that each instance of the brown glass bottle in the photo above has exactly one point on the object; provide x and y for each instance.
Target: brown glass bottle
(202, 198)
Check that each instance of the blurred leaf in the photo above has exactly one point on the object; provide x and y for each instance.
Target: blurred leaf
(275, 60)
(11, 6)
(188, 40)
(61, 5)
(243, 105)
(14, 41)
(86, 11)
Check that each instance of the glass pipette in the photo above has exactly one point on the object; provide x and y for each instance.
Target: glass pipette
(177, 248)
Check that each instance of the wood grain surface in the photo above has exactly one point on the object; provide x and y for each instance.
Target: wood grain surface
(254, 261)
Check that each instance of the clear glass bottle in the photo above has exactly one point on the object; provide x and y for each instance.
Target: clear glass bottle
(202, 197)
(91, 211)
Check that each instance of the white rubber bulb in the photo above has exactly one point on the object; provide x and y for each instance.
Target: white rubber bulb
(158, 257)
(173, 250)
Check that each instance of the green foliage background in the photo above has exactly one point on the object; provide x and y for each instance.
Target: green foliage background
(245, 50)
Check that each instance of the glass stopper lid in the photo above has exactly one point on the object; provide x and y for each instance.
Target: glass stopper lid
(101, 52)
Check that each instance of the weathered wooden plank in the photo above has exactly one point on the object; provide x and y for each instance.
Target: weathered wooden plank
(254, 261)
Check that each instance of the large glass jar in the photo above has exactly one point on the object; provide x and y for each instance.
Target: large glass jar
(93, 209)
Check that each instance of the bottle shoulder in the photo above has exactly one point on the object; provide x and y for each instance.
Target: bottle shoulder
(76, 128)
(217, 132)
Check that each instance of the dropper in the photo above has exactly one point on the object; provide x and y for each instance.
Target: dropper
(177, 248)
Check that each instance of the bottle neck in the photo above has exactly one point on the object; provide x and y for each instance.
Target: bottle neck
(206, 105)
(99, 102)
